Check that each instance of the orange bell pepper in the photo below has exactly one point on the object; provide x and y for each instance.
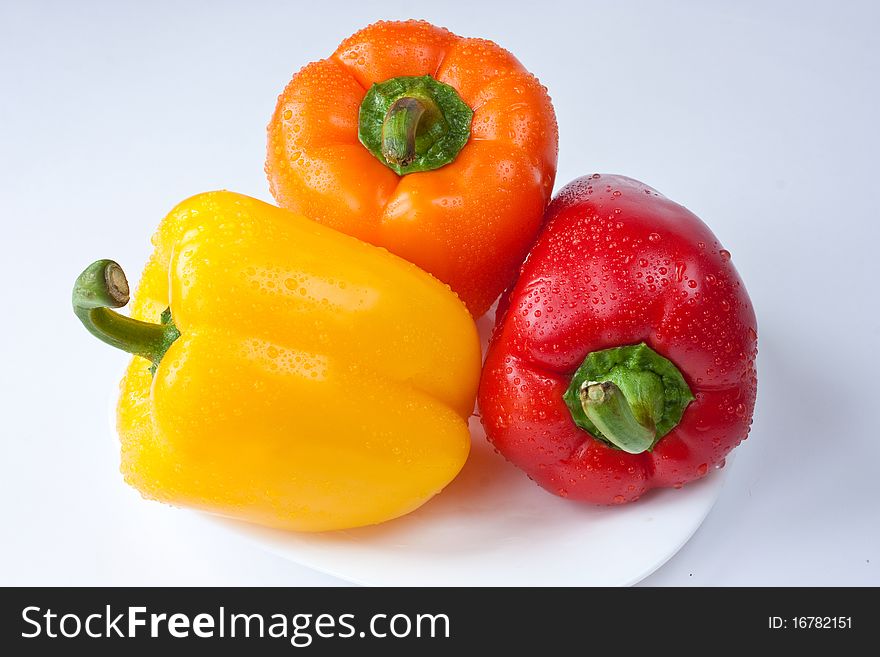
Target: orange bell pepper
(440, 148)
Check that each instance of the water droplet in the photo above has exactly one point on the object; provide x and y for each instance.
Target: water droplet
(680, 268)
(619, 499)
(725, 254)
(653, 237)
(702, 469)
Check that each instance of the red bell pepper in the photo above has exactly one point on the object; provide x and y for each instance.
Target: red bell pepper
(623, 358)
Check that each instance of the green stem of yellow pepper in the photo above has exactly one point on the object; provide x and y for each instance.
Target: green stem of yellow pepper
(103, 286)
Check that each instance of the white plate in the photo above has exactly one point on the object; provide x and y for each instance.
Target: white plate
(493, 526)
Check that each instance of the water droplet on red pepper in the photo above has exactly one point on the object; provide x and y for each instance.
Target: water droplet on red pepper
(680, 268)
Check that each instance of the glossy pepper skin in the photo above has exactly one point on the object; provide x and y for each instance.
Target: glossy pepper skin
(469, 222)
(618, 264)
(317, 382)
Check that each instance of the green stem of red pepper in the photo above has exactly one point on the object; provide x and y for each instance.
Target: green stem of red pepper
(629, 397)
(607, 407)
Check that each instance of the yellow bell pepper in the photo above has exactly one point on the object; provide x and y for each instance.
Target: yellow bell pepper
(300, 379)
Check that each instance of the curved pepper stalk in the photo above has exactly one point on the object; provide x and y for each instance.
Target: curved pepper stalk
(102, 286)
(629, 397)
(414, 124)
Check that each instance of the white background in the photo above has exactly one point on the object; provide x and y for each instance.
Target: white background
(760, 117)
